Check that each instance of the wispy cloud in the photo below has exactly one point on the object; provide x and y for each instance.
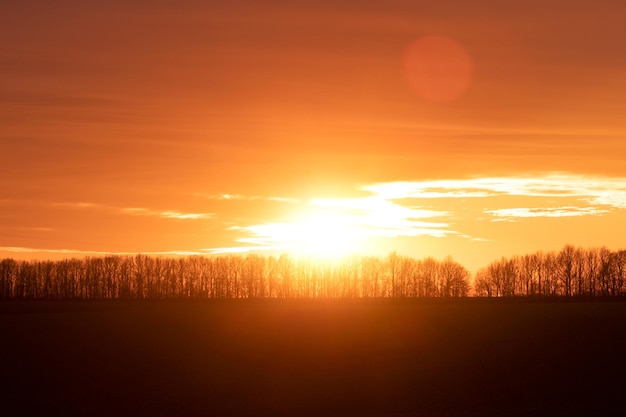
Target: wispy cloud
(78, 204)
(236, 197)
(376, 216)
(601, 194)
(242, 249)
(77, 252)
(138, 211)
(167, 214)
(600, 190)
(39, 229)
(525, 212)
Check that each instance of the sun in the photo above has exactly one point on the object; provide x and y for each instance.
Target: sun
(325, 234)
(333, 228)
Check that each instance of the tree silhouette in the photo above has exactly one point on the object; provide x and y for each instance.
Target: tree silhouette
(570, 272)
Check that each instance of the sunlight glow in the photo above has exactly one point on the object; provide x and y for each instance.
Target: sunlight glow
(432, 208)
(337, 227)
(327, 234)
(324, 234)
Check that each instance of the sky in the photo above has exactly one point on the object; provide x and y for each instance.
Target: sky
(471, 129)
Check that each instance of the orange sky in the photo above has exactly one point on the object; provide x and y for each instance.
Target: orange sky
(124, 125)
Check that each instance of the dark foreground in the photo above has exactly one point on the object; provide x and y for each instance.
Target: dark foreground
(312, 358)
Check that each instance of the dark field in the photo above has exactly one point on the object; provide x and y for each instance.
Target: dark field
(313, 358)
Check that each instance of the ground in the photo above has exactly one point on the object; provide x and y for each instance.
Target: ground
(313, 358)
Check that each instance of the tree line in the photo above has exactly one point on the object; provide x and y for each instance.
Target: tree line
(570, 272)
(232, 276)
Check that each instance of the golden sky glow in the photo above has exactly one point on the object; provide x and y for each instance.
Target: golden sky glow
(471, 129)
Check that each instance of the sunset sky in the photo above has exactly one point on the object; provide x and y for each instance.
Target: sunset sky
(472, 129)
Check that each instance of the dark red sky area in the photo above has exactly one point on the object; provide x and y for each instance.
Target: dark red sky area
(152, 103)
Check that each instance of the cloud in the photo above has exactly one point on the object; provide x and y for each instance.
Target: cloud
(77, 252)
(435, 208)
(377, 205)
(241, 249)
(602, 194)
(39, 229)
(403, 209)
(249, 198)
(600, 190)
(336, 221)
(378, 217)
(78, 205)
(524, 212)
(167, 214)
(139, 211)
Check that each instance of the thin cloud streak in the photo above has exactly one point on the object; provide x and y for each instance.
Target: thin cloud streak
(78, 205)
(167, 214)
(599, 191)
(25, 250)
(241, 197)
(37, 229)
(524, 212)
(242, 249)
(139, 211)
(374, 205)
